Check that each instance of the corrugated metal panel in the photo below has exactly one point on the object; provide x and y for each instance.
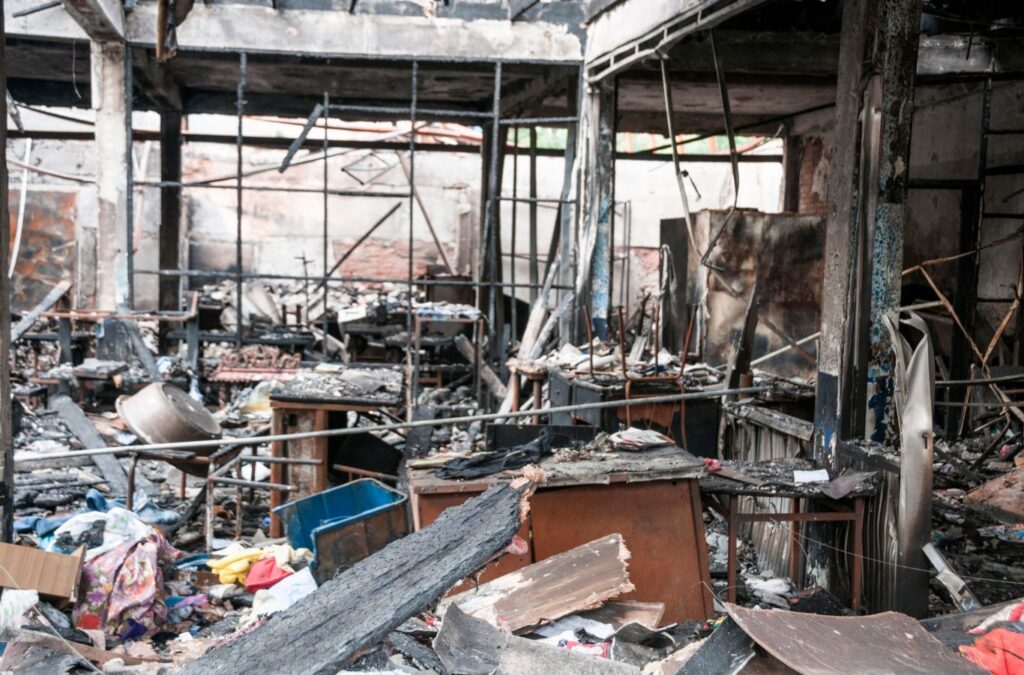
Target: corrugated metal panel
(750, 441)
(880, 555)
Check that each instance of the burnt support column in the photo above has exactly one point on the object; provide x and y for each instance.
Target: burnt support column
(864, 247)
(170, 207)
(866, 214)
(898, 37)
(601, 199)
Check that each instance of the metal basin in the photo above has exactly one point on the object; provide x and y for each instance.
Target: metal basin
(162, 413)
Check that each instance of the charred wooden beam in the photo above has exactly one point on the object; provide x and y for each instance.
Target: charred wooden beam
(357, 609)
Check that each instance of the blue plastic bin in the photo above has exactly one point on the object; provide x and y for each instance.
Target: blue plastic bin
(343, 525)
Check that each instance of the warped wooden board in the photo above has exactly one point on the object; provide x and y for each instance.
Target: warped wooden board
(325, 630)
(85, 431)
(581, 578)
(814, 644)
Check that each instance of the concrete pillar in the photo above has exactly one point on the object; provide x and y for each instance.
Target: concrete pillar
(112, 157)
(866, 213)
(601, 199)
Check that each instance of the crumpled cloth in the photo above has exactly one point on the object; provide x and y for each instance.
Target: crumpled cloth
(122, 580)
(1000, 652)
(516, 457)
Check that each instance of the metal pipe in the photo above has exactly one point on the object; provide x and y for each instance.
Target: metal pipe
(365, 472)
(423, 209)
(347, 431)
(280, 460)
(422, 112)
(534, 269)
(538, 121)
(129, 197)
(274, 188)
(783, 350)
(252, 484)
(515, 213)
(989, 380)
(493, 190)
(411, 320)
(339, 280)
(535, 200)
(326, 111)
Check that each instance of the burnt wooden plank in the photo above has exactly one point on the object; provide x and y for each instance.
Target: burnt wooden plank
(55, 294)
(85, 431)
(472, 646)
(417, 443)
(360, 607)
(773, 419)
(580, 578)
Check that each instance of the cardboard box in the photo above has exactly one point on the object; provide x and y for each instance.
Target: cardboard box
(53, 575)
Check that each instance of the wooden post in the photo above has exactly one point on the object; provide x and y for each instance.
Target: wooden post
(6, 445)
(792, 154)
(170, 207)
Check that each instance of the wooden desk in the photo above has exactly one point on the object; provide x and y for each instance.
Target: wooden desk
(295, 412)
(652, 498)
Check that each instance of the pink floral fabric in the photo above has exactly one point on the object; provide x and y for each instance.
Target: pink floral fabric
(123, 589)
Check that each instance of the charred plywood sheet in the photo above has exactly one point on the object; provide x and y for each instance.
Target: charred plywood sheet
(783, 254)
(46, 254)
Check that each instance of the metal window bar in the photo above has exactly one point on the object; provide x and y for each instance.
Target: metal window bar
(534, 267)
(515, 212)
(130, 179)
(240, 109)
(420, 112)
(277, 188)
(410, 322)
(490, 238)
(325, 113)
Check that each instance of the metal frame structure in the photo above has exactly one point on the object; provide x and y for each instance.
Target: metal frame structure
(412, 112)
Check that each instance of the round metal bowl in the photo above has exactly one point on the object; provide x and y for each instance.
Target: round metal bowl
(162, 413)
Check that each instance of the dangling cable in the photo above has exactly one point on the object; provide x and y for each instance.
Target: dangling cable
(734, 158)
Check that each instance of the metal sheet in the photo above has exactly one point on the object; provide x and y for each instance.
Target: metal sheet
(881, 643)
(47, 252)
